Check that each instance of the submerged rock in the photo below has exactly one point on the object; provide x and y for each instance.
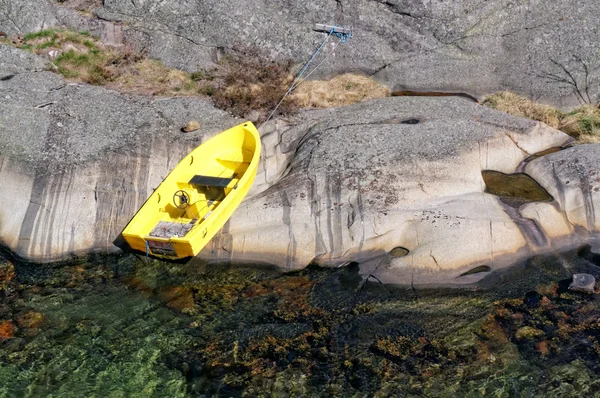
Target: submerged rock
(583, 283)
(532, 299)
(528, 333)
(7, 330)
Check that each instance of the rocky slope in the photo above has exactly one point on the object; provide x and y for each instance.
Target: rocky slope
(395, 184)
(572, 177)
(546, 50)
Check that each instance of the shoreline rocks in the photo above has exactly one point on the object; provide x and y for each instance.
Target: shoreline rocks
(335, 186)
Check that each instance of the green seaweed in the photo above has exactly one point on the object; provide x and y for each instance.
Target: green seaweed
(121, 326)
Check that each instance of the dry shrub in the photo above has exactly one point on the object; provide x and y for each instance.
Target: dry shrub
(248, 81)
(342, 90)
(582, 123)
(520, 106)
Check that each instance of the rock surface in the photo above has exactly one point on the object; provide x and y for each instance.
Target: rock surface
(583, 283)
(76, 161)
(540, 49)
(572, 177)
(13, 61)
(352, 184)
(360, 183)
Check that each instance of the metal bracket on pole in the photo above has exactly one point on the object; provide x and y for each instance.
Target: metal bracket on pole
(327, 29)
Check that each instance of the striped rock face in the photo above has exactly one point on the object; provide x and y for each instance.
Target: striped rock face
(405, 199)
(395, 184)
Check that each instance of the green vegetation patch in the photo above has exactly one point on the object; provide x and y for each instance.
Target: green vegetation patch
(241, 82)
(75, 54)
(42, 34)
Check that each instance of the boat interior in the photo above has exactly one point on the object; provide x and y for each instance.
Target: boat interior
(192, 198)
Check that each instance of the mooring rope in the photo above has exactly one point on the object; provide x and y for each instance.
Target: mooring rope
(344, 37)
(316, 67)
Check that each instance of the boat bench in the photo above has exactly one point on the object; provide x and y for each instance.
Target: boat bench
(208, 181)
(213, 187)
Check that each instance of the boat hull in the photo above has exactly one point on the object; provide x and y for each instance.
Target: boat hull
(198, 196)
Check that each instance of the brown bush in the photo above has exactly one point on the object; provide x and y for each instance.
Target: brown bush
(247, 81)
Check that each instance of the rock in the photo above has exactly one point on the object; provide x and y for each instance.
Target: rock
(528, 333)
(14, 61)
(461, 46)
(26, 16)
(75, 159)
(335, 186)
(253, 116)
(572, 177)
(70, 47)
(583, 283)
(192, 125)
(355, 186)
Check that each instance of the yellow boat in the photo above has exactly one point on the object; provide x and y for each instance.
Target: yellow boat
(197, 198)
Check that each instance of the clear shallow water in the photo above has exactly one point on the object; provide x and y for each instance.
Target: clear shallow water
(116, 326)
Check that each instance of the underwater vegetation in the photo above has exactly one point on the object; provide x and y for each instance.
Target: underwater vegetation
(118, 326)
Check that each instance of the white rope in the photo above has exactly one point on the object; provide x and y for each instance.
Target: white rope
(296, 82)
(315, 68)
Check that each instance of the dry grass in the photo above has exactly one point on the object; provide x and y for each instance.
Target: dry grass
(582, 123)
(150, 77)
(520, 106)
(342, 90)
(243, 82)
